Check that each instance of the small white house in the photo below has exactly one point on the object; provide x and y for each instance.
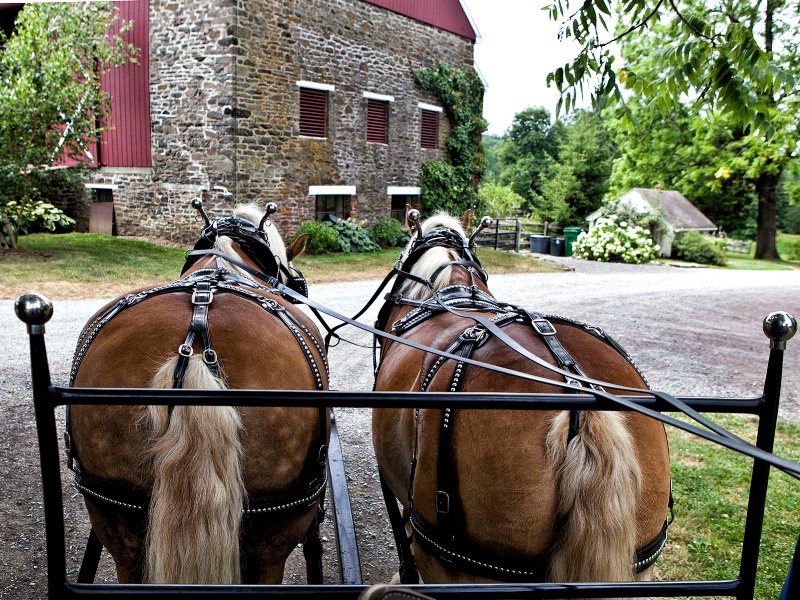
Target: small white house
(679, 214)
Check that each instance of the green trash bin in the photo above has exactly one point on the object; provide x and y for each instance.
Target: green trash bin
(570, 237)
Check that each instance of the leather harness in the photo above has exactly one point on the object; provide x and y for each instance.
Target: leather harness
(445, 541)
(204, 285)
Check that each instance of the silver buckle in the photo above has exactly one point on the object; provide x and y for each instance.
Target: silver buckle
(474, 333)
(202, 297)
(543, 327)
(185, 350)
(210, 357)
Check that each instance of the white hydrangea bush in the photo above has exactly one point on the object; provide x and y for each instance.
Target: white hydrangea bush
(612, 240)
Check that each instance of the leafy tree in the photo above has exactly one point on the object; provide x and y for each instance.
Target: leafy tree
(738, 59)
(703, 159)
(500, 201)
(51, 104)
(531, 143)
(580, 179)
(492, 145)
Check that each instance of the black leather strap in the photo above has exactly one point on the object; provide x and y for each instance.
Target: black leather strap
(477, 561)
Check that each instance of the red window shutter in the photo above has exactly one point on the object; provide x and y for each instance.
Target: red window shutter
(377, 121)
(313, 112)
(429, 130)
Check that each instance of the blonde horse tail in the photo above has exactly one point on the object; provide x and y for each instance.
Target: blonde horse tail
(599, 482)
(196, 503)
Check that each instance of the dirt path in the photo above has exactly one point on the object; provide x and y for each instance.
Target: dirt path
(692, 332)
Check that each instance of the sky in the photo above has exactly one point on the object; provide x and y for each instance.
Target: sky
(518, 48)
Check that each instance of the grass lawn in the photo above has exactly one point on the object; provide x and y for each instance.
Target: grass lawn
(711, 490)
(84, 265)
(788, 249)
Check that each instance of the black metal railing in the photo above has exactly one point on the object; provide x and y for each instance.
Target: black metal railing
(48, 397)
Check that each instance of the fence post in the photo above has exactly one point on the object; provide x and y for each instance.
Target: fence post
(517, 236)
(496, 232)
(545, 228)
(779, 327)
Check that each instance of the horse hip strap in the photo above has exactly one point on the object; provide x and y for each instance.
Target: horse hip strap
(202, 296)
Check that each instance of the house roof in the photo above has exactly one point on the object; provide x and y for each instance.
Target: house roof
(450, 15)
(679, 212)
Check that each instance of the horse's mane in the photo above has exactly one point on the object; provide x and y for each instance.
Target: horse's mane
(431, 260)
(252, 213)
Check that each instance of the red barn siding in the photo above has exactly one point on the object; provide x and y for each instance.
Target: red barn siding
(445, 14)
(128, 143)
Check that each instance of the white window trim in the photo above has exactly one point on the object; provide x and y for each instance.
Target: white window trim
(325, 87)
(100, 186)
(424, 106)
(379, 97)
(331, 190)
(403, 191)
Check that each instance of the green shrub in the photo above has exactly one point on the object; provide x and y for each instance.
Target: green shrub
(389, 233)
(695, 247)
(322, 237)
(352, 236)
(613, 240)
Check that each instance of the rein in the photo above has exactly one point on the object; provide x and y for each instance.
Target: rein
(728, 440)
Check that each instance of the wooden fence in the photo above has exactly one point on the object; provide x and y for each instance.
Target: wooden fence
(512, 234)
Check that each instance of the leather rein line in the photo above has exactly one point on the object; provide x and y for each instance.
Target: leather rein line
(717, 434)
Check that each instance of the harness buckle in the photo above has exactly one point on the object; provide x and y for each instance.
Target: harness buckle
(474, 333)
(442, 503)
(202, 297)
(185, 350)
(543, 327)
(210, 356)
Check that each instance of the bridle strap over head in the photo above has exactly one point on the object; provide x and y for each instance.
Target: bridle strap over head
(254, 242)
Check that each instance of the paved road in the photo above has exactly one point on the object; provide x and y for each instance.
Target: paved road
(691, 331)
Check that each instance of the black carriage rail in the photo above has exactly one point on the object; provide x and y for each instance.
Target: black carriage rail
(48, 397)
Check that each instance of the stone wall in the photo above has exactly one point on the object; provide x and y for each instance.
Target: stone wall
(224, 106)
(357, 47)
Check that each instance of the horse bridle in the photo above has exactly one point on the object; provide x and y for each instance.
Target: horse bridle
(253, 240)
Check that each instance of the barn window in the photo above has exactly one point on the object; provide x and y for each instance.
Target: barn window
(400, 197)
(378, 117)
(377, 122)
(337, 205)
(429, 126)
(314, 108)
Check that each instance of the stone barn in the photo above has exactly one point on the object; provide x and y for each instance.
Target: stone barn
(307, 103)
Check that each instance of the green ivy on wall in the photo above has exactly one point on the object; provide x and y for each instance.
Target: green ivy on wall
(453, 185)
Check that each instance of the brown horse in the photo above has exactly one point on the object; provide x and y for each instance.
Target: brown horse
(202, 494)
(495, 495)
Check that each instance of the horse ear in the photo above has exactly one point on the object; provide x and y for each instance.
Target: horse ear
(407, 225)
(466, 219)
(297, 247)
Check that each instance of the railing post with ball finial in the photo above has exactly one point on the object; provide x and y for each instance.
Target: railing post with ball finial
(35, 310)
(779, 327)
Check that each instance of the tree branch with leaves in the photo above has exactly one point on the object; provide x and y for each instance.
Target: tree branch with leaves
(52, 105)
(738, 62)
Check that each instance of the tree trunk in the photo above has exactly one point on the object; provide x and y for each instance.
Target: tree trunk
(767, 190)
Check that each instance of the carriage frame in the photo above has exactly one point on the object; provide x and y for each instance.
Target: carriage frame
(47, 398)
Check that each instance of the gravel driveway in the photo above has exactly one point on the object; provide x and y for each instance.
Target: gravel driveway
(691, 331)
